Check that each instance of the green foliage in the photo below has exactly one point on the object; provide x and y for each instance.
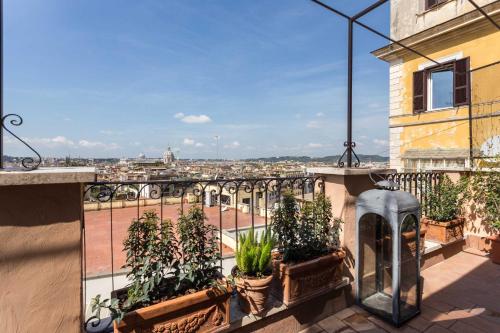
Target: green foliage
(96, 305)
(446, 199)
(485, 192)
(308, 232)
(285, 222)
(253, 257)
(162, 266)
(200, 252)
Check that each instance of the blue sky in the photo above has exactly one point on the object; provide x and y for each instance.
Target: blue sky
(115, 78)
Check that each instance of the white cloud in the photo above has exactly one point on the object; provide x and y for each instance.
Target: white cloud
(192, 142)
(232, 145)
(57, 141)
(313, 124)
(61, 141)
(188, 142)
(98, 144)
(192, 119)
(320, 114)
(315, 145)
(380, 142)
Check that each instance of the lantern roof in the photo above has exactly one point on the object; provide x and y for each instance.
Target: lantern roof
(383, 200)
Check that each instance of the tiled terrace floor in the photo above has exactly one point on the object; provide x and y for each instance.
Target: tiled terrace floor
(461, 295)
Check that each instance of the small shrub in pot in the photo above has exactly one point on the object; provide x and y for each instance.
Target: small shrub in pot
(253, 273)
(485, 194)
(175, 277)
(444, 222)
(309, 261)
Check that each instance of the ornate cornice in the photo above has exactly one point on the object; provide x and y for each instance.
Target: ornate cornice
(444, 31)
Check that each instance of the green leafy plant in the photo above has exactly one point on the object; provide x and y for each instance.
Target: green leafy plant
(96, 306)
(253, 258)
(485, 193)
(308, 232)
(162, 266)
(285, 222)
(446, 199)
(200, 252)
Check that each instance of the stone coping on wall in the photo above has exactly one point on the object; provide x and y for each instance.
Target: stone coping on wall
(349, 171)
(47, 176)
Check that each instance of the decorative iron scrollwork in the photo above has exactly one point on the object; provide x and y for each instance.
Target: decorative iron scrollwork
(28, 163)
(349, 148)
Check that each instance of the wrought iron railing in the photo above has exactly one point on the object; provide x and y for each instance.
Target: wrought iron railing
(232, 205)
(420, 184)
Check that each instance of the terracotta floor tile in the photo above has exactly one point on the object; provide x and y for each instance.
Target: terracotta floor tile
(438, 304)
(420, 323)
(343, 314)
(390, 328)
(313, 329)
(461, 327)
(436, 317)
(482, 323)
(360, 324)
(332, 324)
(438, 329)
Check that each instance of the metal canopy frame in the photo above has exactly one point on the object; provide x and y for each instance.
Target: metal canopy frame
(30, 163)
(351, 20)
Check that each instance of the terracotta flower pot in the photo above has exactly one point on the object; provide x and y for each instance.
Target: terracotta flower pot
(409, 242)
(295, 283)
(444, 232)
(203, 311)
(253, 293)
(495, 249)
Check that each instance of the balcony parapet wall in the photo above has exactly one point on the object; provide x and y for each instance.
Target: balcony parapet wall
(40, 249)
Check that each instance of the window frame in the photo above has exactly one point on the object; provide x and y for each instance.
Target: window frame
(425, 83)
(428, 84)
(436, 4)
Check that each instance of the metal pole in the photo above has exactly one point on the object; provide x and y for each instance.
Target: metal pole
(369, 9)
(1, 84)
(349, 94)
(484, 14)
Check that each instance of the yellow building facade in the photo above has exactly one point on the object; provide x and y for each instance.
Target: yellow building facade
(444, 116)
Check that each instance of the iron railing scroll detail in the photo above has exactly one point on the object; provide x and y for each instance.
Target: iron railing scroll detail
(27, 163)
(349, 151)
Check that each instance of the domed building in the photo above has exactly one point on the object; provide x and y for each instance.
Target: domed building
(168, 156)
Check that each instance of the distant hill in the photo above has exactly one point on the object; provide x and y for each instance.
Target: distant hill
(325, 159)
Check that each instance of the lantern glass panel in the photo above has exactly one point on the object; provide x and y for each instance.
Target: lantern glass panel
(409, 267)
(375, 265)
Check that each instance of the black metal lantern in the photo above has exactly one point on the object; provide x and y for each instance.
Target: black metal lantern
(388, 259)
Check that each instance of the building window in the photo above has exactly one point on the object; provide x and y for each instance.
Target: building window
(433, 3)
(442, 86)
(440, 83)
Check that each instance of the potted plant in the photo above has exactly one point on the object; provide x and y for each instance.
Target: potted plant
(485, 194)
(409, 237)
(253, 273)
(308, 262)
(443, 222)
(176, 285)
